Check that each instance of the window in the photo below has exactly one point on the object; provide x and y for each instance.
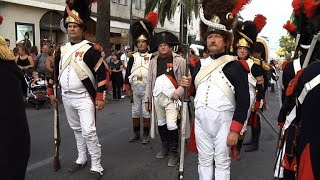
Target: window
(123, 2)
(140, 4)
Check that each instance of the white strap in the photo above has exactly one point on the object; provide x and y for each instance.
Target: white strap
(252, 80)
(203, 73)
(289, 119)
(67, 57)
(296, 65)
(308, 87)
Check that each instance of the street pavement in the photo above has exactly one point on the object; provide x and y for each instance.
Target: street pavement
(122, 160)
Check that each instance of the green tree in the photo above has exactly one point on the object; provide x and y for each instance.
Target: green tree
(103, 25)
(287, 44)
(167, 9)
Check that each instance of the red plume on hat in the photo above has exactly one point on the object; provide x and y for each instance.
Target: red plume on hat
(1, 19)
(239, 6)
(309, 7)
(153, 18)
(290, 27)
(260, 22)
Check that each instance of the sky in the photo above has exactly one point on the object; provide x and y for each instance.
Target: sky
(277, 13)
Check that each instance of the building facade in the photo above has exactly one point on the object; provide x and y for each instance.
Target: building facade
(41, 20)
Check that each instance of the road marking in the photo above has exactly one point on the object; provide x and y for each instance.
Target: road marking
(41, 163)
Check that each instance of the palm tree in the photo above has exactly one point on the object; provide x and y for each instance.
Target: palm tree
(103, 25)
(167, 9)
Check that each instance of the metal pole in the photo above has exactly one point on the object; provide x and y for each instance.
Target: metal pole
(50, 25)
(129, 34)
(181, 23)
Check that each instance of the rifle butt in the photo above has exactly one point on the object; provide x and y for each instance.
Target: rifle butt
(56, 163)
(180, 175)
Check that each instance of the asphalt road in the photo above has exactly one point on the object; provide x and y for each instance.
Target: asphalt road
(133, 161)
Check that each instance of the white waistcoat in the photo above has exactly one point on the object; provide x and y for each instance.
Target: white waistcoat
(209, 93)
(139, 71)
(69, 79)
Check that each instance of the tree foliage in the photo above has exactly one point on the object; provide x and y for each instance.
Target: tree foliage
(287, 45)
(167, 8)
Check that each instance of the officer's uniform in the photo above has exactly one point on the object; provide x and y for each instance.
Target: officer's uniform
(82, 77)
(137, 75)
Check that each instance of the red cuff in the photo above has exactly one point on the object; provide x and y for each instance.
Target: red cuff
(100, 96)
(127, 87)
(280, 125)
(236, 126)
(257, 105)
(50, 91)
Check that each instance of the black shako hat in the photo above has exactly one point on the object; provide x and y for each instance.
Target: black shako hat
(162, 37)
(142, 29)
(245, 35)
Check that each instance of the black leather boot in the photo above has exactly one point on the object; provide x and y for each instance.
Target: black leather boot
(163, 131)
(255, 143)
(136, 130)
(173, 146)
(146, 131)
(252, 135)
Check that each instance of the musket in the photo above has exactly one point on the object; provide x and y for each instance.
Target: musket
(296, 49)
(268, 121)
(184, 121)
(314, 41)
(56, 125)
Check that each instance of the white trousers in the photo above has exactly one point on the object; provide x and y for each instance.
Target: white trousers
(138, 93)
(80, 112)
(166, 111)
(211, 131)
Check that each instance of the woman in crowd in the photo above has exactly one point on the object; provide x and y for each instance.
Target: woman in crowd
(23, 59)
(116, 75)
(34, 53)
(49, 63)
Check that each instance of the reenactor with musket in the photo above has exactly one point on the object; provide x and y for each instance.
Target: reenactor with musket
(137, 74)
(298, 156)
(82, 77)
(222, 94)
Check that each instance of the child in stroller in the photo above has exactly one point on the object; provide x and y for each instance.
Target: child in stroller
(37, 87)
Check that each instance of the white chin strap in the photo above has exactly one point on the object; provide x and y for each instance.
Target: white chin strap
(305, 46)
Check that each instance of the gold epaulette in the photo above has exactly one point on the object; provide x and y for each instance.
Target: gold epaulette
(256, 60)
(264, 65)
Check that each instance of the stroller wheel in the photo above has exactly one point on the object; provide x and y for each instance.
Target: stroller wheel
(37, 106)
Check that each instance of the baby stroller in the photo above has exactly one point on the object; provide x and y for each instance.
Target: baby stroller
(37, 90)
